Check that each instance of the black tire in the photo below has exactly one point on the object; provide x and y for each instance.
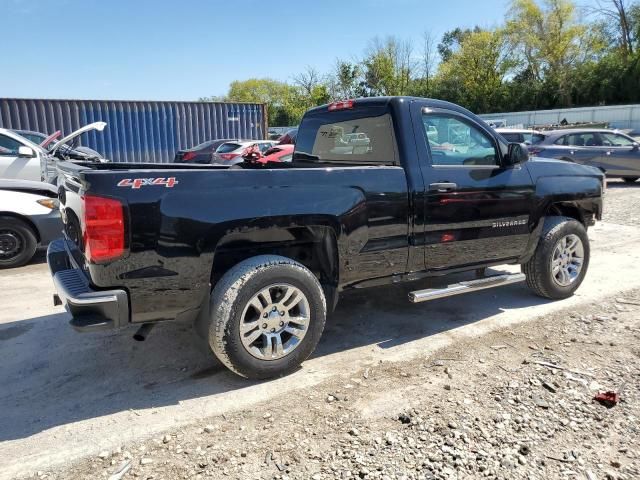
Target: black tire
(630, 179)
(232, 294)
(538, 269)
(18, 242)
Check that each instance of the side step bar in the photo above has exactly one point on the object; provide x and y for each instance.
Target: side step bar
(465, 287)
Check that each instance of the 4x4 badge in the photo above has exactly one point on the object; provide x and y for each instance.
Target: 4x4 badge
(144, 182)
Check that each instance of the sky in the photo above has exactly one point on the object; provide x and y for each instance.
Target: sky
(183, 50)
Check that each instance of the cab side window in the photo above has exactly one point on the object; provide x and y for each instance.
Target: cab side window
(455, 142)
(9, 146)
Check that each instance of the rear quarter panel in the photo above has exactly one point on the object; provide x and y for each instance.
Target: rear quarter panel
(174, 233)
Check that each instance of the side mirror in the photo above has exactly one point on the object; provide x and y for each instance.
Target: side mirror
(26, 152)
(517, 153)
(635, 147)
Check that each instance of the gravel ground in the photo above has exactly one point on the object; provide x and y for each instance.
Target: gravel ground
(622, 203)
(482, 409)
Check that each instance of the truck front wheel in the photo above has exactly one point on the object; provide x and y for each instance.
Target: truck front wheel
(561, 259)
(267, 316)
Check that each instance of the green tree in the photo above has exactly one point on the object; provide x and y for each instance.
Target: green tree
(387, 67)
(345, 81)
(451, 41)
(550, 42)
(474, 73)
(277, 95)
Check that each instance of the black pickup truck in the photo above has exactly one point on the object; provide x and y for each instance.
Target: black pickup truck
(380, 190)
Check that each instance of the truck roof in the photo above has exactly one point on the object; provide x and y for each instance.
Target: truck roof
(397, 101)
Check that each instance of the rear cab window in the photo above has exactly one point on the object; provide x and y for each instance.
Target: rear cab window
(349, 137)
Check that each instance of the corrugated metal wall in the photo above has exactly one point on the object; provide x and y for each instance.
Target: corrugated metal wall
(618, 116)
(138, 131)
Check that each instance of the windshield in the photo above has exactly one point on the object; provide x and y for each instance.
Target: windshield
(228, 147)
(32, 137)
(537, 138)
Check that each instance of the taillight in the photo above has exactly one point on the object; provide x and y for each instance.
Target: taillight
(188, 156)
(103, 234)
(228, 156)
(343, 105)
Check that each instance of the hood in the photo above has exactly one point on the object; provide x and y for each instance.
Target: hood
(45, 143)
(28, 186)
(99, 126)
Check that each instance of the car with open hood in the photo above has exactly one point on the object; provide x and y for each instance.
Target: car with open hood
(21, 158)
(79, 152)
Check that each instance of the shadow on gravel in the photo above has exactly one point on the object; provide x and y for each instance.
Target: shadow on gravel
(53, 376)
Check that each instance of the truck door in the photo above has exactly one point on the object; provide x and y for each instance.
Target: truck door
(477, 211)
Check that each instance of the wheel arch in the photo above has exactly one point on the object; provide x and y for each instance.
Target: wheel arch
(566, 209)
(25, 219)
(314, 246)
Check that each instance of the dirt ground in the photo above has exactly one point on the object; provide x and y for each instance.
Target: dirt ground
(395, 390)
(622, 203)
(515, 403)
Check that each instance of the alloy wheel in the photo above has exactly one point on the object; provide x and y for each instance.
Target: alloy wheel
(567, 260)
(274, 321)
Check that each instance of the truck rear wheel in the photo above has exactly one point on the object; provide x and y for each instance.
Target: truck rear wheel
(561, 259)
(267, 316)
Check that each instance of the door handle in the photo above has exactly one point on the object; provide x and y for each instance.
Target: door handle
(442, 186)
(608, 152)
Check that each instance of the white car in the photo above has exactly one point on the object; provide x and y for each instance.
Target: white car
(24, 160)
(231, 153)
(29, 219)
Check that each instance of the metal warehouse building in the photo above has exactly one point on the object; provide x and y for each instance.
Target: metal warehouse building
(617, 116)
(138, 131)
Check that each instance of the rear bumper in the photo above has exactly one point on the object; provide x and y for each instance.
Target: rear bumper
(90, 309)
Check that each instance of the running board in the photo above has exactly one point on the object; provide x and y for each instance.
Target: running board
(465, 287)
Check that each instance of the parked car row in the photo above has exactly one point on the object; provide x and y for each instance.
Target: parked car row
(613, 152)
(230, 151)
